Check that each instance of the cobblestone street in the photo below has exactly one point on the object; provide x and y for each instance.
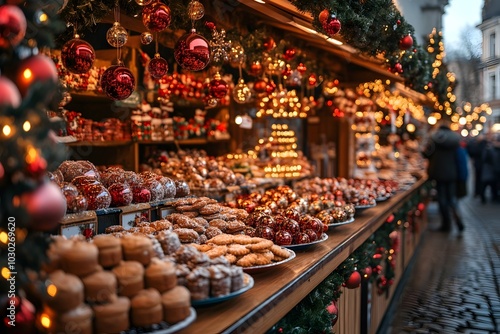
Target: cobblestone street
(454, 283)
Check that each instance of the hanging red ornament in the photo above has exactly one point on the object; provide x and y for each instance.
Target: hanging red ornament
(260, 86)
(406, 42)
(256, 68)
(217, 87)
(77, 55)
(37, 68)
(398, 22)
(332, 25)
(367, 273)
(117, 82)
(12, 26)
(210, 25)
(287, 71)
(157, 67)
(9, 94)
(270, 87)
(46, 206)
(192, 52)
(323, 16)
(301, 68)
(18, 316)
(289, 54)
(269, 43)
(333, 310)
(156, 17)
(353, 281)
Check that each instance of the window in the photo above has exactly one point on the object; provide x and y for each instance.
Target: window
(493, 86)
(492, 45)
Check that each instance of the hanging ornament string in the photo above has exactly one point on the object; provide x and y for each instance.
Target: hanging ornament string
(119, 47)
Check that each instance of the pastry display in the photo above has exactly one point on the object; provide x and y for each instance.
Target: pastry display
(161, 275)
(82, 260)
(65, 291)
(137, 248)
(78, 319)
(100, 287)
(130, 278)
(146, 308)
(110, 250)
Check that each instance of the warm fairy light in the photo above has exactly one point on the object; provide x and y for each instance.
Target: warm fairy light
(26, 126)
(45, 320)
(27, 74)
(432, 120)
(238, 120)
(479, 127)
(42, 18)
(474, 133)
(51, 290)
(482, 119)
(6, 130)
(31, 155)
(410, 128)
(5, 273)
(4, 237)
(464, 133)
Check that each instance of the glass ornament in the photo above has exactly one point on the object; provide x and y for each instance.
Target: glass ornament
(117, 36)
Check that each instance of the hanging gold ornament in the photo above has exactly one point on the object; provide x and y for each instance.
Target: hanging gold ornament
(241, 92)
(117, 36)
(196, 10)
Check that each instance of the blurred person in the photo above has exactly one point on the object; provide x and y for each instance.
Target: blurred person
(441, 151)
(489, 169)
(475, 149)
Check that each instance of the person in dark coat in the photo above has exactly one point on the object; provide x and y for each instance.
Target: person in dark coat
(489, 169)
(475, 149)
(441, 151)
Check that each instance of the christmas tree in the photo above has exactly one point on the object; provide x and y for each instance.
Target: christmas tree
(30, 205)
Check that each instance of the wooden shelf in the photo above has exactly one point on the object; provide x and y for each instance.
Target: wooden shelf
(101, 143)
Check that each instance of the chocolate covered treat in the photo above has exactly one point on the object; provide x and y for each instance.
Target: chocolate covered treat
(161, 275)
(65, 291)
(112, 317)
(81, 260)
(110, 250)
(130, 277)
(137, 248)
(100, 287)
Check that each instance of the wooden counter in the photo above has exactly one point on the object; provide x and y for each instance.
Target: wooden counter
(278, 290)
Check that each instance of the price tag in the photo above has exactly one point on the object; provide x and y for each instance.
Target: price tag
(246, 122)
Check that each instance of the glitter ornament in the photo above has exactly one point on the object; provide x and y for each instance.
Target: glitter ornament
(157, 67)
(117, 36)
(241, 92)
(146, 38)
(217, 87)
(212, 102)
(332, 25)
(192, 52)
(156, 17)
(237, 56)
(220, 46)
(143, 2)
(117, 82)
(12, 26)
(40, 68)
(77, 56)
(196, 10)
(260, 86)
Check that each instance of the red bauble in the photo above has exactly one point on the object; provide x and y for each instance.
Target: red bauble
(12, 26)
(121, 194)
(270, 87)
(332, 25)
(260, 86)
(283, 237)
(398, 68)
(77, 56)
(156, 17)
(46, 206)
(256, 68)
(269, 43)
(367, 273)
(37, 167)
(312, 80)
(289, 54)
(157, 67)
(141, 195)
(117, 82)
(406, 42)
(353, 281)
(21, 312)
(218, 88)
(38, 68)
(9, 94)
(301, 68)
(323, 16)
(192, 52)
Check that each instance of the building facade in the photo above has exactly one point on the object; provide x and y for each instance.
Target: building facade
(490, 60)
(423, 15)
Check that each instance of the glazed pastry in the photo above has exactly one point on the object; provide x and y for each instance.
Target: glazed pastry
(82, 260)
(68, 292)
(130, 277)
(176, 304)
(161, 275)
(100, 287)
(137, 248)
(112, 317)
(146, 308)
(110, 250)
